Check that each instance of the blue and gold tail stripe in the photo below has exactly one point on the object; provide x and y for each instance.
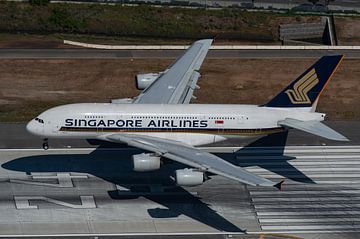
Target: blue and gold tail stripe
(306, 89)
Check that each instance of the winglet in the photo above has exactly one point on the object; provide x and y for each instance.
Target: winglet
(279, 185)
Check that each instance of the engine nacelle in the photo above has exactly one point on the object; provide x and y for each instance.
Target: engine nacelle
(189, 177)
(145, 162)
(142, 81)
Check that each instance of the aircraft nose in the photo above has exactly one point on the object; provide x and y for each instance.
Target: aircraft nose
(32, 128)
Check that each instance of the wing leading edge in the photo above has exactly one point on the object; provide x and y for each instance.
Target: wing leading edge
(193, 157)
(177, 83)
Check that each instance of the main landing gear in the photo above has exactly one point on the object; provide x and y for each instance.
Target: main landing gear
(45, 145)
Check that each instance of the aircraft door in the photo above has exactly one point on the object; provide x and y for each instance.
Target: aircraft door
(56, 128)
(241, 119)
(219, 122)
(100, 128)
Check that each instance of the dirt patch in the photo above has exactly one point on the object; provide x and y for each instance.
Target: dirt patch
(348, 30)
(28, 87)
(30, 41)
(257, 81)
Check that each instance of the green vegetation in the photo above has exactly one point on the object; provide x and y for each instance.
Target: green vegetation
(140, 21)
(26, 111)
(39, 2)
(64, 20)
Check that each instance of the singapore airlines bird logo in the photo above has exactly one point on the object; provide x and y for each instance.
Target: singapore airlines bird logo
(298, 95)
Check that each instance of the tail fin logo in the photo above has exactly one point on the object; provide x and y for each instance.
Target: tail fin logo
(298, 95)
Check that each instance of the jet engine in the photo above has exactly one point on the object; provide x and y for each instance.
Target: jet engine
(145, 162)
(142, 81)
(189, 177)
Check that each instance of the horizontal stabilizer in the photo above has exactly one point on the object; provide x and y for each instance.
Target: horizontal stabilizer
(279, 185)
(313, 127)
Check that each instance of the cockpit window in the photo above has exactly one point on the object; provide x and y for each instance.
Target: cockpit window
(39, 120)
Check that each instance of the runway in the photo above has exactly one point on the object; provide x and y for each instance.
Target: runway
(81, 191)
(111, 54)
(330, 200)
(95, 192)
(88, 192)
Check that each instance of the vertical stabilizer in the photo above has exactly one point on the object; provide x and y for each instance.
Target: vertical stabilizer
(307, 88)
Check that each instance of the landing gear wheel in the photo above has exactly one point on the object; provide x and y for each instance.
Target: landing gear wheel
(45, 146)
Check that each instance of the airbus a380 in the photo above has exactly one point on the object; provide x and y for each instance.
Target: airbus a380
(161, 121)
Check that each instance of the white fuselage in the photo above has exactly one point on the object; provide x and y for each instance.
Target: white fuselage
(194, 124)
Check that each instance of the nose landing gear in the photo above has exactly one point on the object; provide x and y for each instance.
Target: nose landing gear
(45, 145)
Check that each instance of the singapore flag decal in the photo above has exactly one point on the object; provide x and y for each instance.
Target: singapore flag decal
(219, 122)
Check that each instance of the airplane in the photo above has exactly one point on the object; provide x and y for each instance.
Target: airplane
(162, 122)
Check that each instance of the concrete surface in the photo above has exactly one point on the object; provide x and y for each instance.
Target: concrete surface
(87, 191)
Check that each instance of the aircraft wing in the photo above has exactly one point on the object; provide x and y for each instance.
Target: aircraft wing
(177, 83)
(191, 156)
(313, 127)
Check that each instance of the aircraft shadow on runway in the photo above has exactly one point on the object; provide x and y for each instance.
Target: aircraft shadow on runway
(283, 167)
(116, 168)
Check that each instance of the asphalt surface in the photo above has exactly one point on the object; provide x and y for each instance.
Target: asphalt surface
(111, 54)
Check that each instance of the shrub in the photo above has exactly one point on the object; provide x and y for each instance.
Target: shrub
(39, 2)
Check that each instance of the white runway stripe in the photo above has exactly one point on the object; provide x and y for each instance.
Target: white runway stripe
(286, 156)
(307, 192)
(282, 213)
(300, 150)
(309, 206)
(340, 183)
(309, 220)
(282, 163)
(332, 204)
(303, 170)
(307, 199)
(313, 227)
(325, 175)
